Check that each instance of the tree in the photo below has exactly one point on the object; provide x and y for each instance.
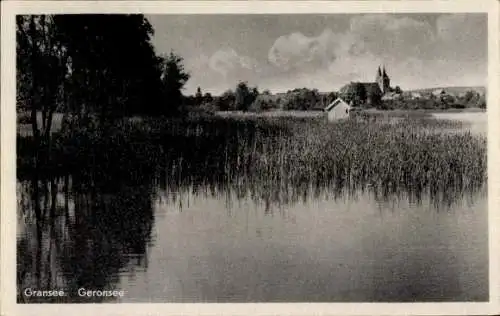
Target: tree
(355, 92)
(244, 96)
(173, 79)
(198, 96)
(111, 75)
(469, 95)
(263, 102)
(332, 96)
(226, 101)
(398, 90)
(207, 97)
(41, 69)
(482, 102)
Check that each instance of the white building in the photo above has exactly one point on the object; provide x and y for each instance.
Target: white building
(439, 92)
(416, 95)
(337, 110)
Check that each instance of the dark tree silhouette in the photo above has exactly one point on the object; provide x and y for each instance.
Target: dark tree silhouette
(174, 77)
(41, 68)
(207, 97)
(245, 96)
(198, 96)
(226, 101)
(114, 69)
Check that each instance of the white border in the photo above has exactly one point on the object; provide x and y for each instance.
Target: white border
(9, 9)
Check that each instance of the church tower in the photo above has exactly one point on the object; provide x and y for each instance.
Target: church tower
(378, 79)
(386, 81)
(383, 80)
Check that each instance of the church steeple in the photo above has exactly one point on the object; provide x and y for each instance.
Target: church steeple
(382, 79)
(384, 74)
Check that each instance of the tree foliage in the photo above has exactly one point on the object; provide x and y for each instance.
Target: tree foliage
(174, 77)
(41, 68)
(114, 69)
(226, 101)
(245, 96)
(96, 68)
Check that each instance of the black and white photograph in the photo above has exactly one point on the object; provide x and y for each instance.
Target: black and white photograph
(308, 157)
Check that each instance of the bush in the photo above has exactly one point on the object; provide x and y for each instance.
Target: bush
(263, 103)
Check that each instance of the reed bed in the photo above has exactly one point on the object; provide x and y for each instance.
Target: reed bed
(281, 159)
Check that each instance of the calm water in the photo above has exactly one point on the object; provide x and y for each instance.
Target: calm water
(205, 244)
(320, 250)
(202, 248)
(476, 122)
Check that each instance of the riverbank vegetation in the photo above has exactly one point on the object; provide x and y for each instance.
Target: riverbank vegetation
(271, 158)
(119, 123)
(304, 99)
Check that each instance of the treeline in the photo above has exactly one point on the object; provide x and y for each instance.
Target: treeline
(245, 98)
(470, 99)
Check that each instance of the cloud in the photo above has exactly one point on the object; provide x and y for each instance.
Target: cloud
(416, 52)
(367, 36)
(297, 51)
(224, 67)
(228, 61)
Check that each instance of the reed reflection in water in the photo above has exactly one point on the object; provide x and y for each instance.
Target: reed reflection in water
(200, 243)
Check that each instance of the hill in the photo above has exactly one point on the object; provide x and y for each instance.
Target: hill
(453, 90)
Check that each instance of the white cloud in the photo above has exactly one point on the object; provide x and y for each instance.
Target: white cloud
(368, 35)
(225, 67)
(228, 61)
(415, 53)
(297, 51)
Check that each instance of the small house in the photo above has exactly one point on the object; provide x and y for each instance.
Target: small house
(439, 92)
(391, 96)
(416, 95)
(337, 110)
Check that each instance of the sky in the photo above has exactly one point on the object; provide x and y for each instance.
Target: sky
(282, 52)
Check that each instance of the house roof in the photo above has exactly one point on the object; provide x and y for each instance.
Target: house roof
(334, 104)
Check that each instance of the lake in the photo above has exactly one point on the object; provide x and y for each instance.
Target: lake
(476, 122)
(202, 242)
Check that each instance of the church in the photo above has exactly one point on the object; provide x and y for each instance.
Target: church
(367, 93)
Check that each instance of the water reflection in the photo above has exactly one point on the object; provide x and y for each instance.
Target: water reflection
(344, 250)
(214, 244)
(71, 237)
